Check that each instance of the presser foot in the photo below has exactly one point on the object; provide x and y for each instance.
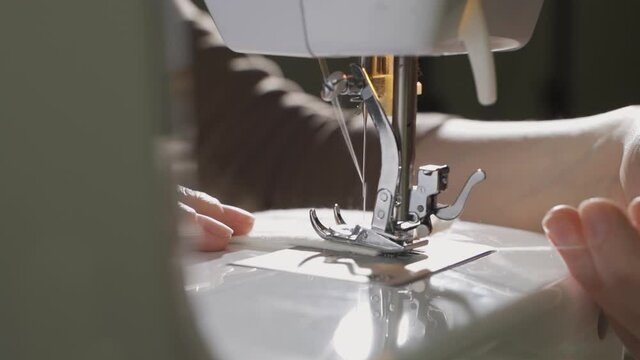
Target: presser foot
(358, 236)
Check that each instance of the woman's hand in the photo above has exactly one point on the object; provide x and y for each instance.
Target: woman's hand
(533, 166)
(600, 240)
(218, 221)
(600, 243)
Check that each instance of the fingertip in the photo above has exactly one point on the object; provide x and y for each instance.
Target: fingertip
(215, 235)
(213, 226)
(600, 218)
(238, 212)
(239, 219)
(612, 240)
(596, 201)
(562, 225)
(186, 210)
(598, 206)
(558, 211)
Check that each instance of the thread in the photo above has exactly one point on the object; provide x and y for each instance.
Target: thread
(337, 109)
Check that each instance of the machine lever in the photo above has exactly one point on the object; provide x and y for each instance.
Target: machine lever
(454, 210)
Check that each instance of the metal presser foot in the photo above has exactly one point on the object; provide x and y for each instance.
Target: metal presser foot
(360, 236)
(389, 232)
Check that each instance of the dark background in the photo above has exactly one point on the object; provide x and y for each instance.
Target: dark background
(583, 58)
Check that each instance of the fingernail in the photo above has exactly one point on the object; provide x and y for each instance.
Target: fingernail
(559, 227)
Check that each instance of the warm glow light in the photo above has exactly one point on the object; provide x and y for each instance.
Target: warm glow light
(403, 330)
(353, 338)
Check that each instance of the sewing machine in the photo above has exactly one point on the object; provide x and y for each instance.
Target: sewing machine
(311, 29)
(395, 288)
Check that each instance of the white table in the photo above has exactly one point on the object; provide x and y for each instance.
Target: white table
(515, 303)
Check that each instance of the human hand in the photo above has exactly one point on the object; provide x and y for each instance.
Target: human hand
(600, 244)
(533, 165)
(217, 221)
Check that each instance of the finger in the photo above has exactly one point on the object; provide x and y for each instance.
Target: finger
(630, 341)
(187, 211)
(238, 219)
(216, 235)
(609, 231)
(241, 221)
(634, 212)
(612, 240)
(212, 226)
(615, 247)
(201, 202)
(563, 228)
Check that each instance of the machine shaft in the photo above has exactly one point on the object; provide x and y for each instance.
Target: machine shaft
(405, 78)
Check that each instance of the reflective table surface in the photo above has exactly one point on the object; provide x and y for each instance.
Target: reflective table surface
(517, 302)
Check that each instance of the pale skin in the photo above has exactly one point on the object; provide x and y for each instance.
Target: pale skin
(218, 222)
(579, 177)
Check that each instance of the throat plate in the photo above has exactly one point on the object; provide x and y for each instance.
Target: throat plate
(393, 270)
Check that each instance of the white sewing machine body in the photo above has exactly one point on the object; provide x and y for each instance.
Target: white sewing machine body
(516, 303)
(337, 28)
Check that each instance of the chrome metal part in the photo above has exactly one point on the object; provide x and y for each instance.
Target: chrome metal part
(454, 210)
(359, 236)
(337, 216)
(405, 78)
(432, 180)
(335, 85)
(388, 181)
(399, 208)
